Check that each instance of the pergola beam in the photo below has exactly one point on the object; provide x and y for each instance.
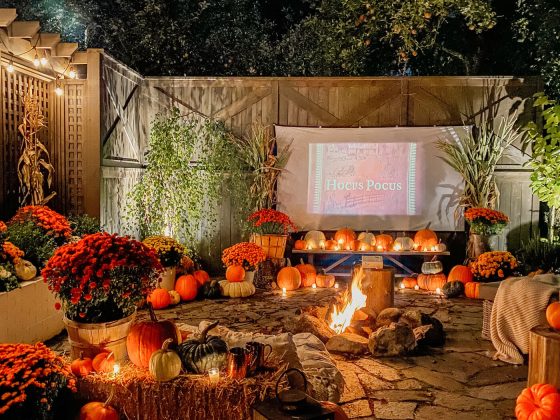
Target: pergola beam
(24, 29)
(7, 16)
(46, 40)
(65, 49)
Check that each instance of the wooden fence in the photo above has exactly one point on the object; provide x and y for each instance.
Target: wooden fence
(131, 102)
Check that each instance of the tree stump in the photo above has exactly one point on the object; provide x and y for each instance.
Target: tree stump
(544, 356)
(378, 286)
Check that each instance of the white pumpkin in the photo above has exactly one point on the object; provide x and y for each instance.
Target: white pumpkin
(313, 239)
(165, 364)
(432, 267)
(25, 270)
(403, 243)
(175, 297)
(237, 289)
(367, 237)
(440, 247)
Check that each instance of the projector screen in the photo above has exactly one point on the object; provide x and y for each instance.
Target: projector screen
(369, 178)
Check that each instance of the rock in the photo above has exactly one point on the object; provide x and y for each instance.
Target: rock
(392, 340)
(348, 343)
(421, 331)
(435, 336)
(395, 410)
(311, 324)
(369, 312)
(388, 316)
(412, 317)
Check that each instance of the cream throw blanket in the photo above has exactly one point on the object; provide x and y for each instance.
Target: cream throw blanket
(520, 305)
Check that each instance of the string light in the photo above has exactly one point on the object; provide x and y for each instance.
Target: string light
(44, 60)
(10, 67)
(72, 73)
(58, 90)
(36, 61)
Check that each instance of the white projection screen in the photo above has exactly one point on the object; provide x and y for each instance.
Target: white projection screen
(369, 178)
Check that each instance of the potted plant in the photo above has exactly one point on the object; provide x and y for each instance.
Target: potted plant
(169, 252)
(244, 254)
(484, 224)
(269, 229)
(99, 280)
(493, 266)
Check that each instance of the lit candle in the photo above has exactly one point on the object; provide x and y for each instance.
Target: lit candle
(416, 287)
(309, 246)
(337, 248)
(336, 286)
(379, 248)
(214, 375)
(433, 249)
(284, 294)
(402, 285)
(313, 286)
(322, 244)
(341, 241)
(348, 247)
(116, 369)
(397, 247)
(438, 291)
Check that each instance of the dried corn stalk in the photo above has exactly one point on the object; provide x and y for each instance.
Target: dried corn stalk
(34, 162)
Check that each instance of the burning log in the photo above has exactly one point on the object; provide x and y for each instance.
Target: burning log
(387, 316)
(378, 286)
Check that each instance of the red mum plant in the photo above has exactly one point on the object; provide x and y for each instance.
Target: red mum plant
(271, 222)
(246, 254)
(53, 223)
(32, 380)
(102, 277)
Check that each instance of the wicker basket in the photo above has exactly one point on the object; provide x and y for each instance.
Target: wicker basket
(486, 314)
(273, 245)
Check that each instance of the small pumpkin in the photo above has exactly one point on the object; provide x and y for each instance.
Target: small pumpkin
(364, 247)
(460, 273)
(439, 247)
(289, 278)
(453, 289)
(300, 244)
(472, 289)
(425, 239)
(199, 355)
(175, 297)
(103, 362)
(96, 410)
(331, 245)
(159, 298)
(187, 287)
(313, 238)
(553, 315)
(431, 281)
(538, 402)
(210, 290)
(355, 245)
(432, 267)
(403, 243)
(339, 413)
(344, 236)
(409, 282)
(367, 238)
(238, 289)
(145, 337)
(25, 270)
(324, 280)
(383, 242)
(81, 366)
(235, 273)
(165, 364)
(308, 274)
(201, 277)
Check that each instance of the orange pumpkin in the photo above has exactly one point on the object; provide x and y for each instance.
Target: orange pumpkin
(331, 245)
(324, 280)
(235, 273)
(308, 274)
(538, 402)
(339, 413)
(431, 281)
(300, 244)
(364, 247)
(553, 315)
(99, 411)
(409, 282)
(201, 277)
(159, 299)
(103, 362)
(187, 287)
(289, 278)
(383, 242)
(354, 245)
(460, 273)
(344, 236)
(145, 337)
(82, 366)
(472, 289)
(425, 239)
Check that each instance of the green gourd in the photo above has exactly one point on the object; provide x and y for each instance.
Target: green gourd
(453, 289)
(201, 354)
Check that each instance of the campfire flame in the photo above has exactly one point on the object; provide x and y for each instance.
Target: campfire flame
(353, 300)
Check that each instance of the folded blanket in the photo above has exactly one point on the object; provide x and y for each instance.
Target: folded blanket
(520, 305)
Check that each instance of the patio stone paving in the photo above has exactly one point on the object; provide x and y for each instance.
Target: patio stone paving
(458, 381)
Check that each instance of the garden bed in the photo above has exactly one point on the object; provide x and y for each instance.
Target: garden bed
(28, 314)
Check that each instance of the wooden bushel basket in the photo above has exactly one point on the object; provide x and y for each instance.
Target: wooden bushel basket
(273, 245)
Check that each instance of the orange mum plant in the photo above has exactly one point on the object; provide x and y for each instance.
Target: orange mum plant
(494, 265)
(246, 254)
(270, 221)
(53, 223)
(485, 221)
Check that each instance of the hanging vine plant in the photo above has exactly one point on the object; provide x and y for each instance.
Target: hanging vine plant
(191, 165)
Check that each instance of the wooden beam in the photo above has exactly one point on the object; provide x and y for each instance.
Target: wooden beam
(7, 16)
(79, 57)
(236, 107)
(46, 40)
(324, 116)
(65, 49)
(24, 29)
(92, 136)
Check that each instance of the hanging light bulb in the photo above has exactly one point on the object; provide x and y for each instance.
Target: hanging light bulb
(10, 67)
(58, 90)
(44, 60)
(72, 73)
(36, 61)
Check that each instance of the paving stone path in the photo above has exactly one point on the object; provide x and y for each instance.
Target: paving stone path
(459, 381)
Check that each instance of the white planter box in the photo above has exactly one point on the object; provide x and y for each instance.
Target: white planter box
(27, 314)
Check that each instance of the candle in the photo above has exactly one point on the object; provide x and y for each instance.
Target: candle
(313, 286)
(284, 294)
(336, 286)
(416, 287)
(214, 375)
(337, 248)
(397, 247)
(322, 244)
(309, 247)
(438, 291)
(341, 241)
(402, 286)
(348, 247)
(116, 369)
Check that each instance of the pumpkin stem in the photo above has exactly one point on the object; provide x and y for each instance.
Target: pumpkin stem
(110, 398)
(81, 355)
(301, 261)
(166, 344)
(152, 313)
(288, 262)
(204, 332)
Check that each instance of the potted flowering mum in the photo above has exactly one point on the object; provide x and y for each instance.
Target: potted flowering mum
(269, 230)
(484, 225)
(99, 280)
(244, 254)
(169, 252)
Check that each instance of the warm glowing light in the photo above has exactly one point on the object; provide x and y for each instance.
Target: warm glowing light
(336, 286)
(214, 375)
(36, 61)
(337, 248)
(433, 249)
(322, 244)
(348, 248)
(44, 60)
(116, 369)
(354, 299)
(379, 248)
(72, 73)
(58, 91)
(309, 247)
(341, 241)
(313, 286)
(284, 293)
(397, 247)
(363, 247)
(402, 286)
(10, 68)
(438, 291)
(416, 287)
